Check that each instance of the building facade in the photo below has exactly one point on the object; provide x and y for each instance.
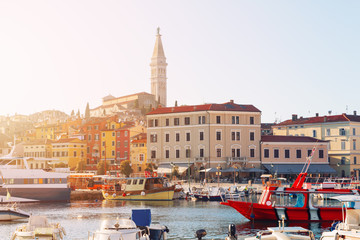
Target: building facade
(208, 136)
(342, 132)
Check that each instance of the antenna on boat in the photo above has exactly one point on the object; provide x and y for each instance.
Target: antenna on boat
(301, 178)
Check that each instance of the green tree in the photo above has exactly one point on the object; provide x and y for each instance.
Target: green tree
(125, 168)
(150, 167)
(101, 168)
(87, 112)
(81, 166)
(60, 165)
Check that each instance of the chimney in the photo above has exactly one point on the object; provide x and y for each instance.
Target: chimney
(294, 117)
(231, 101)
(355, 113)
(316, 114)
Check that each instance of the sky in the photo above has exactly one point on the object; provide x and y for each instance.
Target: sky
(284, 57)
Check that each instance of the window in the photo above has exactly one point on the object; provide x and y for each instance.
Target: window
(314, 133)
(187, 120)
(235, 136)
(355, 160)
(176, 121)
(235, 119)
(266, 153)
(167, 137)
(201, 136)
(118, 144)
(126, 154)
(309, 152)
(328, 132)
(218, 135)
(276, 153)
(126, 133)
(342, 132)
(188, 136)
(343, 145)
(201, 119)
(298, 153)
(113, 134)
(251, 120)
(126, 143)
(343, 159)
(113, 143)
(218, 152)
(187, 153)
(112, 153)
(150, 123)
(218, 119)
(156, 123)
(177, 153)
(167, 153)
(287, 153)
(153, 138)
(103, 134)
(167, 122)
(96, 137)
(252, 136)
(88, 150)
(354, 144)
(201, 152)
(177, 137)
(252, 152)
(141, 157)
(89, 137)
(354, 131)
(153, 154)
(321, 153)
(103, 143)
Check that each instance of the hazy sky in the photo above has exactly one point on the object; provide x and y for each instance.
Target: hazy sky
(283, 57)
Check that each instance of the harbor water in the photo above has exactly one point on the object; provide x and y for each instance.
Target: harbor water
(182, 218)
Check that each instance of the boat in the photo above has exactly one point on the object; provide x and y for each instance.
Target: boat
(295, 202)
(39, 228)
(32, 185)
(349, 227)
(139, 227)
(211, 194)
(141, 188)
(11, 212)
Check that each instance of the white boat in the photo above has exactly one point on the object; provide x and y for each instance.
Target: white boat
(349, 228)
(39, 228)
(137, 228)
(31, 185)
(12, 212)
(283, 233)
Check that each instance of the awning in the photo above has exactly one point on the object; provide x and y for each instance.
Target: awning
(210, 170)
(253, 170)
(296, 168)
(166, 168)
(231, 170)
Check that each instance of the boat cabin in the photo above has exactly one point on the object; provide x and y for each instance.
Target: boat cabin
(138, 184)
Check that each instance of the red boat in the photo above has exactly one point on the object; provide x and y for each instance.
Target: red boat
(294, 203)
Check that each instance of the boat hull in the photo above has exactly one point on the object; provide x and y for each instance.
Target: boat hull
(166, 195)
(263, 212)
(10, 215)
(37, 194)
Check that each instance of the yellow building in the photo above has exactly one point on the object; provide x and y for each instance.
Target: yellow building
(138, 152)
(51, 131)
(39, 148)
(342, 132)
(70, 151)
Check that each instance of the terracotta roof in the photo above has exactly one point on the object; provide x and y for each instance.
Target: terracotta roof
(66, 140)
(139, 141)
(279, 138)
(39, 142)
(229, 106)
(321, 119)
(110, 106)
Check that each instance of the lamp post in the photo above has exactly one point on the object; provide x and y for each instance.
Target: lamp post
(189, 172)
(234, 173)
(218, 174)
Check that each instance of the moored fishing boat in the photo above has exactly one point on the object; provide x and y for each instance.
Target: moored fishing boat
(137, 189)
(12, 212)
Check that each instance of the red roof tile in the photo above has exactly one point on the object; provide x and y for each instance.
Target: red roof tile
(335, 118)
(229, 106)
(279, 138)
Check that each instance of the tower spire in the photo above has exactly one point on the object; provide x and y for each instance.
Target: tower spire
(158, 71)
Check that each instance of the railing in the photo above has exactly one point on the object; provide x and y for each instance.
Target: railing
(231, 160)
(200, 159)
(153, 160)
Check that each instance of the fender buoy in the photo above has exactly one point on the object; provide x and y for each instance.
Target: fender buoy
(124, 194)
(114, 195)
(154, 174)
(142, 193)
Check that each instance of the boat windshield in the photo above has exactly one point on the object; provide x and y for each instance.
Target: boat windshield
(288, 199)
(122, 223)
(324, 200)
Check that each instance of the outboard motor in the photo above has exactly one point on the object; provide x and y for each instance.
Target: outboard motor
(200, 234)
(232, 232)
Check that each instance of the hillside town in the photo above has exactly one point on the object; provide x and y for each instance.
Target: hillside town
(143, 131)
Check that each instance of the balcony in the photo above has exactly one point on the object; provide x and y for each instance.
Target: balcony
(153, 160)
(200, 159)
(233, 160)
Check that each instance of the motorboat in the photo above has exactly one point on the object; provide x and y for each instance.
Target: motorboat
(349, 227)
(11, 212)
(139, 227)
(295, 202)
(39, 228)
(142, 188)
(211, 194)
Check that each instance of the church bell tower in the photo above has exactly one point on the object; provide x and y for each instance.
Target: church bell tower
(158, 71)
